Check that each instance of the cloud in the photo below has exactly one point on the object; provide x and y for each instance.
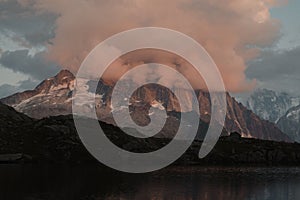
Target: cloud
(30, 27)
(36, 66)
(148, 57)
(232, 31)
(277, 70)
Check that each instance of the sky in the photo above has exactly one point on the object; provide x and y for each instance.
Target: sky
(289, 16)
(256, 44)
(278, 68)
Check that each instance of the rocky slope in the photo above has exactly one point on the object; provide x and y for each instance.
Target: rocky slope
(55, 140)
(290, 123)
(54, 97)
(11, 124)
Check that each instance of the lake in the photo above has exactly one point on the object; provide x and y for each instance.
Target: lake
(92, 182)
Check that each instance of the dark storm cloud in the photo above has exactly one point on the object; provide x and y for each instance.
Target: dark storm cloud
(279, 70)
(28, 25)
(36, 66)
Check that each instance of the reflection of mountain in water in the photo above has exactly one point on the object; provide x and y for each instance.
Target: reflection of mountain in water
(89, 182)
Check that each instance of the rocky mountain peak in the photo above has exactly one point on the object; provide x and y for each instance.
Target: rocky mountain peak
(63, 78)
(63, 82)
(64, 75)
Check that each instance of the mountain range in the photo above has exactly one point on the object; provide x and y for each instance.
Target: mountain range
(278, 107)
(53, 97)
(271, 105)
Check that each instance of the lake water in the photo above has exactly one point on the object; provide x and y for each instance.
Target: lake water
(91, 182)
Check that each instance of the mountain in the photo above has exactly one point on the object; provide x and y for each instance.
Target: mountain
(290, 123)
(271, 105)
(54, 97)
(49, 98)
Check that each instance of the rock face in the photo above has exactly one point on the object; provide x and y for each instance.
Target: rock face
(290, 123)
(270, 105)
(54, 97)
(240, 119)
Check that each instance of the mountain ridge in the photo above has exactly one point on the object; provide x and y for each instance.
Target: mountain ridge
(54, 97)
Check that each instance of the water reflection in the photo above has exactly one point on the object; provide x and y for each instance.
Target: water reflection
(91, 182)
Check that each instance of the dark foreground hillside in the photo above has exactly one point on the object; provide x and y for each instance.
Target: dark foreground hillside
(55, 140)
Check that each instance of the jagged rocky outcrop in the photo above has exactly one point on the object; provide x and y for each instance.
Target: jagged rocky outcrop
(290, 123)
(54, 97)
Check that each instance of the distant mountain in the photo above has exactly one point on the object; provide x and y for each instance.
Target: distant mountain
(290, 123)
(271, 105)
(278, 107)
(54, 97)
